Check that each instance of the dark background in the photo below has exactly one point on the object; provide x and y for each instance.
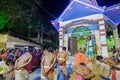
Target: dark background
(56, 7)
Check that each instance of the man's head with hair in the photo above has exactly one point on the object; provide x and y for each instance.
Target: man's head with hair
(7, 61)
(83, 64)
(3, 51)
(99, 58)
(10, 50)
(30, 50)
(64, 48)
(118, 49)
(80, 50)
(50, 49)
(89, 38)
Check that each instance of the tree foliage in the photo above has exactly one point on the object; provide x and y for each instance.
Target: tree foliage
(18, 15)
(22, 16)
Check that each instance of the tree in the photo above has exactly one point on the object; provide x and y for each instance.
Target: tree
(25, 17)
(18, 15)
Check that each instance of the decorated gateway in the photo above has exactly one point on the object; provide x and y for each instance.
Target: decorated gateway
(84, 24)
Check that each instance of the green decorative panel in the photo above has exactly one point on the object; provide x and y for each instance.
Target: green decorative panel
(81, 31)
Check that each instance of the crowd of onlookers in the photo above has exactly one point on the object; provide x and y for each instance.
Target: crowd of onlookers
(96, 67)
(9, 56)
(13, 54)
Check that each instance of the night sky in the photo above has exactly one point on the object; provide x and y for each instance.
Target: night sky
(56, 7)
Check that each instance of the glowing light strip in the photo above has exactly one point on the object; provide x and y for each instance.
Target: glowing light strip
(109, 19)
(79, 2)
(65, 10)
(89, 5)
(112, 7)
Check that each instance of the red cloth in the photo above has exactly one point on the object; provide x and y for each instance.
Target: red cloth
(29, 67)
(35, 60)
(5, 55)
(63, 64)
(114, 75)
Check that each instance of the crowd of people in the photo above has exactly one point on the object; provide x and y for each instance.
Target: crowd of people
(97, 68)
(49, 60)
(16, 64)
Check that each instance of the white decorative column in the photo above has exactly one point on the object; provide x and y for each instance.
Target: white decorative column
(104, 50)
(116, 39)
(98, 42)
(60, 38)
(65, 41)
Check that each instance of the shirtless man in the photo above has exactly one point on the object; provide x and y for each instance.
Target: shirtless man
(20, 64)
(47, 63)
(62, 57)
(109, 61)
(117, 56)
(115, 66)
(10, 75)
(3, 69)
(83, 72)
(5, 54)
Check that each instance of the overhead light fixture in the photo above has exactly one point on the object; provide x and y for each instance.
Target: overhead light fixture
(111, 36)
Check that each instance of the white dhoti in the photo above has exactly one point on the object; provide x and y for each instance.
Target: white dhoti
(21, 75)
(118, 75)
(43, 77)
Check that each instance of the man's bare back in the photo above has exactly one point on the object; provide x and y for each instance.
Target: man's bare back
(109, 61)
(62, 57)
(23, 60)
(84, 71)
(49, 59)
(47, 62)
